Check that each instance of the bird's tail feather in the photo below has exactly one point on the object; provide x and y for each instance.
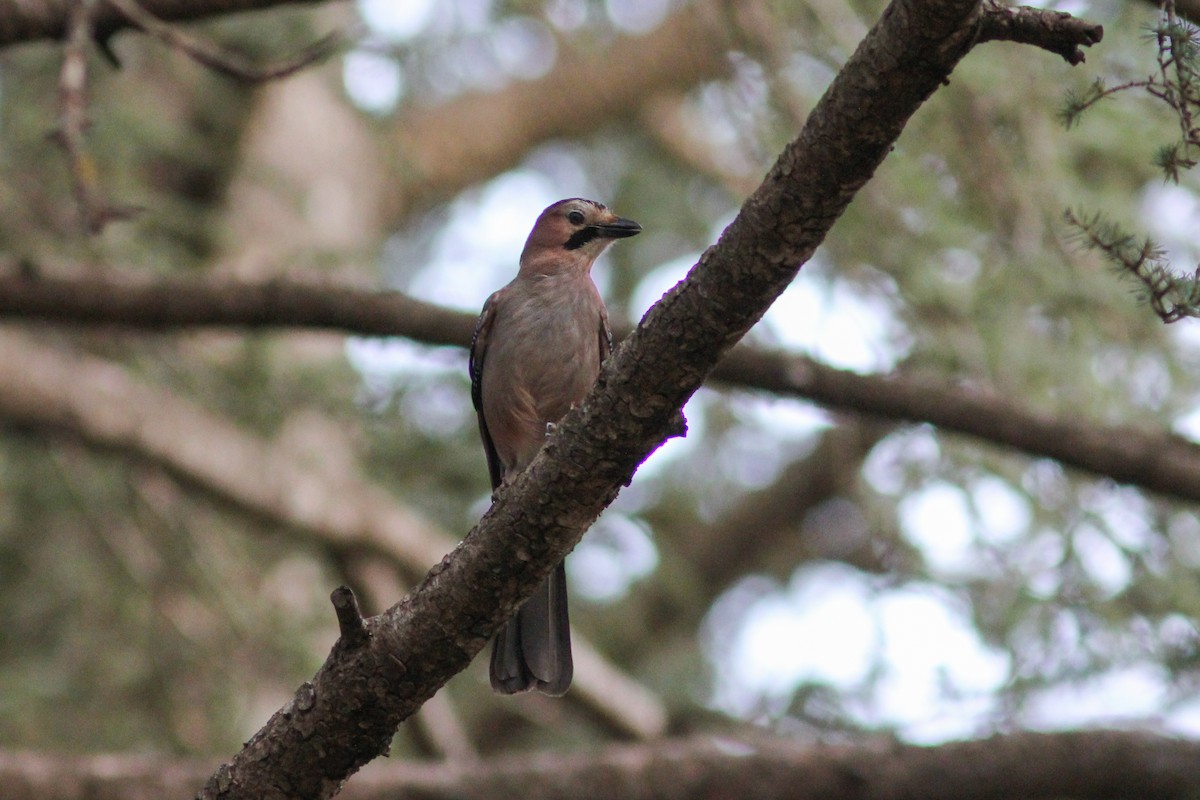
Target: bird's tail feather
(533, 650)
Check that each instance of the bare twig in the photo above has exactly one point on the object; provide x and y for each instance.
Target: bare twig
(1055, 31)
(350, 619)
(223, 61)
(31, 21)
(94, 210)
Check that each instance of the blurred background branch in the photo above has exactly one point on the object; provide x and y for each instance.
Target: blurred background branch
(1102, 763)
(1161, 462)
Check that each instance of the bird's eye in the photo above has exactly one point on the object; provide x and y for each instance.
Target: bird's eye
(575, 217)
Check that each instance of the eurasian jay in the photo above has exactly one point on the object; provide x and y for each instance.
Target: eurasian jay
(536, 352)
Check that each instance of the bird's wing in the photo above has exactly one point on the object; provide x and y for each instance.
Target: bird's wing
(606, 338)
(479, 342)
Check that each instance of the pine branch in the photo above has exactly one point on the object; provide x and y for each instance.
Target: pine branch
(1175, 83)
(1171, 296)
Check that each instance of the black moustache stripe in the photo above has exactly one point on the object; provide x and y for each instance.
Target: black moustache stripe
(581, 237)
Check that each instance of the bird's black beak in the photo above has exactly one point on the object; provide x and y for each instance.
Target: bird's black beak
(619, 228)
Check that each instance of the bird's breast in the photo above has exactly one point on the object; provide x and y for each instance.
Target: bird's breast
(543, 357)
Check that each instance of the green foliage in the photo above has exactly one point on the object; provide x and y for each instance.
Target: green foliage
(1177, 85)
(1172, 297)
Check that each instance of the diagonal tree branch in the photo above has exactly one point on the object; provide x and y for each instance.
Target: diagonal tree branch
(1098, 765)
(1158, 461)
(100, 403)
(348, 713)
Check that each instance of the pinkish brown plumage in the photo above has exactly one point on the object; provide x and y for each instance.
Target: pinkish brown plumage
(536, 352)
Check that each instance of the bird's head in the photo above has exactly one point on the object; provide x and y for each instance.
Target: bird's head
(572, 234)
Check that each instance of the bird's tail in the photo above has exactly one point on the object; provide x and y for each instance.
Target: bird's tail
(533, 650)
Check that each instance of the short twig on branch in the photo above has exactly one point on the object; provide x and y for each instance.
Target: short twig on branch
(1055, 31)
(350, 620)
(94, 210)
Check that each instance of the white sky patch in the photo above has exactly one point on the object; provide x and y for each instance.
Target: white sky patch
(886, 466)
(937, 520)
(1076, 8)
(439, 408)
(386, 359)
(940, 675)
(836, 324)
(1188, 425)
(566, 15)
(373, 82)
(616, 552)
(1187, 340)
(784, 417)
(1003, 513)
(1132, 693)
(658, 282)
(473, 15)
(1184, 719)
(829, 626)
(1103, 561)
(753, 457)
(1171, 214)
(1170, 210)
(1040, 562)
(524, 47)
(396, 21)
(478, 249)
(820, 630)
(1125, 512)
(637, 16)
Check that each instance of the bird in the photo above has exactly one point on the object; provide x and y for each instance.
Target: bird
(536, 352)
